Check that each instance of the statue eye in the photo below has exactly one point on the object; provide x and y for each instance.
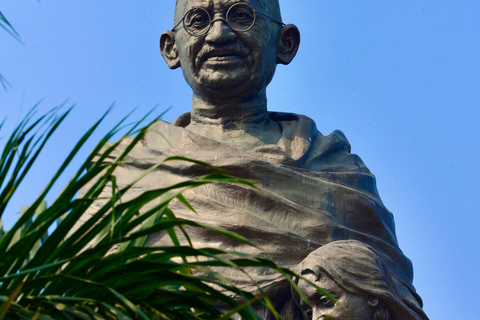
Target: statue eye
(325, 302)
(240, 15)
(308, 313)
(197, 19)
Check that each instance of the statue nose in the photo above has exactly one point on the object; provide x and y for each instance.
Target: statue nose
(220, 32)
(319, 314)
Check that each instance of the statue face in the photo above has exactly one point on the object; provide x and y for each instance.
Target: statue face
(225, 63)
(349, 306)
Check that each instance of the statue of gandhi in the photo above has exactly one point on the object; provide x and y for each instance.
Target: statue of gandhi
(228, 52)
(311, 189)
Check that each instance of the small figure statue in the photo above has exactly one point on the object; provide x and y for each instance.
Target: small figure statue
(357, 278)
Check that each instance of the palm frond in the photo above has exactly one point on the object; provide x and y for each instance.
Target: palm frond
(5, 84)
(7, 26)
(105, 269)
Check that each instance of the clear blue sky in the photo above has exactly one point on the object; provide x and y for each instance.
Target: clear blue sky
(401, 78)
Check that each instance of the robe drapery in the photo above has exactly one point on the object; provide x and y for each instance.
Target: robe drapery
(311, 191)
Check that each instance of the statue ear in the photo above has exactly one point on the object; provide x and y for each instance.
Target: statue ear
(288, 44)
(168, 49)
(372, 301)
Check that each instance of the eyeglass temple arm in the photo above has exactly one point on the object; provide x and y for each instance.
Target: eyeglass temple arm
(173, 29)
(272, 18)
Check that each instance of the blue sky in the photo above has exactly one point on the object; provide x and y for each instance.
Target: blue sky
(400, 78)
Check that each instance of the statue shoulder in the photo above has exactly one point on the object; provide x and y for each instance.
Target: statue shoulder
(332, 153)
(314, 151)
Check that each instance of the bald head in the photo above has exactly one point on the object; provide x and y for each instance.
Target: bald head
(270, 7)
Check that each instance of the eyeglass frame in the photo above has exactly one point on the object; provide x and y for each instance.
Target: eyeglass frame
(225, 19)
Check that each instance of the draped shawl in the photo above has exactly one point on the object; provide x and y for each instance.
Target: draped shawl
(311, 191)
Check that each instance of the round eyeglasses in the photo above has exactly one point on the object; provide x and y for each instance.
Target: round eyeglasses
(240, 17)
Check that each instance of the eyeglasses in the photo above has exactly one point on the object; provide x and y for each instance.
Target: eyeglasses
(240, 17)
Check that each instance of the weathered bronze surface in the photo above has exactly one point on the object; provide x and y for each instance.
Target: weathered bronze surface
(312, 190)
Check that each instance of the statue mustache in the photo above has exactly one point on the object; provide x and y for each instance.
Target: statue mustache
(218, 51)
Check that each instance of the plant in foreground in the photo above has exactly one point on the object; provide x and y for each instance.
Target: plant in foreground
(7, 26)
(51, 275)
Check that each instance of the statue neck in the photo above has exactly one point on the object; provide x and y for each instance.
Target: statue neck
(243, 125)
(230, 113)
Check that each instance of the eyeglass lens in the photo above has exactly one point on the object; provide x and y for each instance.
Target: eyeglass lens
(240, 17)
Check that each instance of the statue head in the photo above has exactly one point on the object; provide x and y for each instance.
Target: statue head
(228, 49)
(356, 276)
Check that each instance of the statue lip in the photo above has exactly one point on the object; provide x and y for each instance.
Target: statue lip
(211, 53)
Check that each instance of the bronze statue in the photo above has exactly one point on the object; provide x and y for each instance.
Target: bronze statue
(311, 189)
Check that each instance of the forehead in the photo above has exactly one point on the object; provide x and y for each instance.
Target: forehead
(184, 5)
(324, 282)
(271, 7)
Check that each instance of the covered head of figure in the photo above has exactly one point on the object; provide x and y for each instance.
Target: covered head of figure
(355, 275)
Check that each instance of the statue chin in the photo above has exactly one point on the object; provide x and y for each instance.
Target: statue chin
(226, 83)
(223, 78)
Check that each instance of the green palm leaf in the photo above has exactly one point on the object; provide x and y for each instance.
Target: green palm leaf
(78, 275)
(7, 26)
